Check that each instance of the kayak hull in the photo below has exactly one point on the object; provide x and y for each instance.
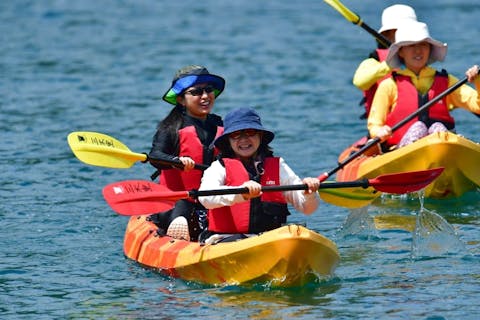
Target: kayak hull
(458, 155)
(285, 257)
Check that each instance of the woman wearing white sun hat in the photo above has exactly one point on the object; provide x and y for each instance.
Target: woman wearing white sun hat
(373, 69)
(415, 83)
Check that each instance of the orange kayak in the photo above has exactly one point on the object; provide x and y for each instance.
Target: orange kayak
(458, 155)
(285, 257)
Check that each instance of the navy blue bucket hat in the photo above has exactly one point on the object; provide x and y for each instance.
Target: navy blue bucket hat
(189, 76)
(242, 119)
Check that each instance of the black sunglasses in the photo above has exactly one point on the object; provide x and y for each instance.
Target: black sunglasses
(200, 91)
(243, 133)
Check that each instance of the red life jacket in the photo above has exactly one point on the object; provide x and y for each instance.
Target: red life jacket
(370, 93)
(260, 214)
(191, 146)
(409, 100)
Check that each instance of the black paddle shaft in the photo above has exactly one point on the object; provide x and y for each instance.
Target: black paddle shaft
(363, 183)
(380, 38)
(175, 163)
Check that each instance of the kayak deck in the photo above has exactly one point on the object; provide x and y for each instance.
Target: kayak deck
(458, 155)
(288, 256)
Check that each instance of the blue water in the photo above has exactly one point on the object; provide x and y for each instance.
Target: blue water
(104, 65)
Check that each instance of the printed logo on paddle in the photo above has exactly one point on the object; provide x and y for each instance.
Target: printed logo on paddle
(97, 140)
(132, 187)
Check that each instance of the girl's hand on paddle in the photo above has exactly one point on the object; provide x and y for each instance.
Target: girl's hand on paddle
(254, 188)
(384, 133)
(187, 162)
(472, 73)
(312, 183)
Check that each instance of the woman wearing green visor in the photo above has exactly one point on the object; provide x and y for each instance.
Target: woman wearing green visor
(186, 134)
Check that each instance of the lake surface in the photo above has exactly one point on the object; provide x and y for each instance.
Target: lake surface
(104, 65)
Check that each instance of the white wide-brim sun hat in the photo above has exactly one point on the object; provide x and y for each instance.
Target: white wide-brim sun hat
(394, 16)
(413, 32)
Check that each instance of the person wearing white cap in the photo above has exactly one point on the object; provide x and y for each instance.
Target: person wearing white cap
(414, 84)
(373, 69)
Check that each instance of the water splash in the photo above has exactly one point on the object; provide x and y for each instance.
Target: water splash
(359, 223)
(433, 235)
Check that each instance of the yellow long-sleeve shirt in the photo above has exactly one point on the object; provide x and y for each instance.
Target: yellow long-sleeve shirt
(385, 98)
(368, 72)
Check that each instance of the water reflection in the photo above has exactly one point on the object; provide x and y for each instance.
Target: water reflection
(259, 296)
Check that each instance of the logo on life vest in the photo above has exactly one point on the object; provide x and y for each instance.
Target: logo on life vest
(270, 183)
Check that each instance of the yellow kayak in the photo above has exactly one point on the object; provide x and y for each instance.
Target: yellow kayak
(289, 256)
(458, 155)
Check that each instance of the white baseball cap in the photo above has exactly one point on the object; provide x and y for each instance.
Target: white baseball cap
(394, 15)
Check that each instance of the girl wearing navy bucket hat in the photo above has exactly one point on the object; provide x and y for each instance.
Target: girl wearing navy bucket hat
(186, 134)
(247, 160)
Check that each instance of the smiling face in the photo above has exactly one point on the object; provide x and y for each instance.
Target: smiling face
(198, 100)
(245, 143)
(415, 56)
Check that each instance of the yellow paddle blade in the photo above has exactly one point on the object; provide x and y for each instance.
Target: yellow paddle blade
(355, 197)
(99, 149)
(395, 222)
(344, 11)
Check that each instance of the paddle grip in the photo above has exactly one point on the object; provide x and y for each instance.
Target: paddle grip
(176, 163)
(363, 183)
